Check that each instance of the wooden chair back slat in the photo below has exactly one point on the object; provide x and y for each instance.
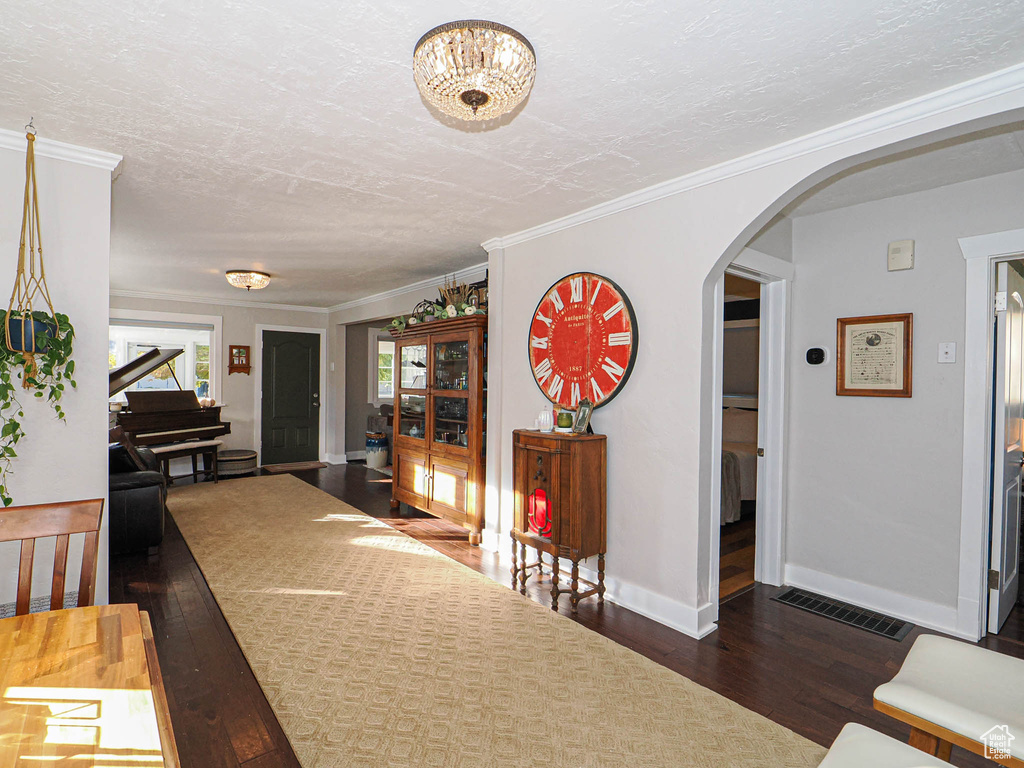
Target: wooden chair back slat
(28, 548)
(87, 581)
(60, 565)
(61, 519)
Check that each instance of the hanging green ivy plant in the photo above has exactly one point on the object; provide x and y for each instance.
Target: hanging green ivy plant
(45, 373)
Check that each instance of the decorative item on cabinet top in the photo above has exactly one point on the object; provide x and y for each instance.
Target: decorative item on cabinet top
(456, 300)
(240, 360)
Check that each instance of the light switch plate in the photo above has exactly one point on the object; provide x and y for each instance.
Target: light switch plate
(947, 352)
(901, 255)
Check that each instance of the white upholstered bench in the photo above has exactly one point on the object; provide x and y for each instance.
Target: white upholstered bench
(859, 747)
(952, 692)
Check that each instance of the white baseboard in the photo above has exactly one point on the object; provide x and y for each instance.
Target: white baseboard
(941, 618)
(355, 455)
(336, 458)
(695, 622)
(491, 540)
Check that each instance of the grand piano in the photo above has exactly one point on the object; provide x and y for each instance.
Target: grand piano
(156, 417)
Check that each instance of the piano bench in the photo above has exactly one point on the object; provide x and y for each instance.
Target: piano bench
(194, 448)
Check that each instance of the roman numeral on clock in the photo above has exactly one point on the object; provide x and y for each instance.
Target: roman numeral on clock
(556, 300)
(613, 310)
(613, 369)
(555, 390)
(541, 342)
(546, 320)
(597, 287)
(576, 287)
(598, 394)
(542, 371)
(619, 339)
(574, 393)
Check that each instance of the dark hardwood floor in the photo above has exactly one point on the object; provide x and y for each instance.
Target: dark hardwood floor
(807, 673)
(736, 556)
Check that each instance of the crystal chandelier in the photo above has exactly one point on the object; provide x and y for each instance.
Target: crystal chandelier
(474, 70)
(244, 279)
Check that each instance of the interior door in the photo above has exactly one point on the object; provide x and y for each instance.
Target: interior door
(290, 429)
(1008, 456)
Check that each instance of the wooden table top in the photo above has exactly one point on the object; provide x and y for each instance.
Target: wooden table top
(75, 686)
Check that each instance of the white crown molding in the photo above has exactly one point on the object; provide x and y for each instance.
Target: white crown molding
(431, 282)
(215, 301)
(58, 150)
(476, 270)
(936, 103)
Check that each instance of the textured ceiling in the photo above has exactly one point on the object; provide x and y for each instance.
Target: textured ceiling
(289, 136)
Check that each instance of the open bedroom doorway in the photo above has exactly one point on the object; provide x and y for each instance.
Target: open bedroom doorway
(740, 375)
(747, 514)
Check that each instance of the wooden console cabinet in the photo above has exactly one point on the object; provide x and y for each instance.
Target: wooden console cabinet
(440, 412)
(559, 485)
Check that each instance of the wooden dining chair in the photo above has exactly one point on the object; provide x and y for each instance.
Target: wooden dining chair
(61, 519)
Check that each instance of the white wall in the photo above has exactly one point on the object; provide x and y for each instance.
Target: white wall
(776, 239)
(874, 483)
(667, 247)
(62, 461)
(238, 391)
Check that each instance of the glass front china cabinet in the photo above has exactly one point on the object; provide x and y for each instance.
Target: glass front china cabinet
(440, 420)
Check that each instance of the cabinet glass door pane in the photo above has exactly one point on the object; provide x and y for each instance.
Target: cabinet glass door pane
(414, 367)
(412, 418)
(451, 365)
(451, 420)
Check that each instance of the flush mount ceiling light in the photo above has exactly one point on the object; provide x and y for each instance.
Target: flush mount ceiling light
(244, 279)
(474, 70)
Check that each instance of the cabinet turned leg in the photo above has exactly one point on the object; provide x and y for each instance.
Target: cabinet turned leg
(394, 504)
(574, 596)
(515, 562)
(554, 583)
(600, 579)
(522, 570)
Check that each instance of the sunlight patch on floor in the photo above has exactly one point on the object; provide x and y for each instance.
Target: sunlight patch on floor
(396, 544)
(368, 522)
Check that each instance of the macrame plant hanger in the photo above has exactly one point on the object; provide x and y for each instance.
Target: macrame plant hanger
(30, 282)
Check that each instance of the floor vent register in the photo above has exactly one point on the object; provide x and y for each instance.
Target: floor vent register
(876, 623)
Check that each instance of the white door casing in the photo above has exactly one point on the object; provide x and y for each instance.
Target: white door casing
(1008, 427)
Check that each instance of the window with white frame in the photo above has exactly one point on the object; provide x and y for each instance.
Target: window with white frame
(190, 370)
(381, 369)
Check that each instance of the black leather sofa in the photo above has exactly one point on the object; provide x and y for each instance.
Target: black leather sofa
(138, 493)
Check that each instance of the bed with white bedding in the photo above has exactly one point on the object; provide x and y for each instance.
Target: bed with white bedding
(739, 461)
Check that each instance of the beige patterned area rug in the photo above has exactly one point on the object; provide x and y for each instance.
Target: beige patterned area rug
(375, 650)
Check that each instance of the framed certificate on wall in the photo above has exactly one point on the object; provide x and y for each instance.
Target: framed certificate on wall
(875, 355)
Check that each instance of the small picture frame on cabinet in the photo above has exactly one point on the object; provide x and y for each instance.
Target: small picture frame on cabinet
(581, 424)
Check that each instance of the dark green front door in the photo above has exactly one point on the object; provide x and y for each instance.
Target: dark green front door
(291, 397)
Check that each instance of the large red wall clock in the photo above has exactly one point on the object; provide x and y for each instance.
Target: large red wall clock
(583, 340)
